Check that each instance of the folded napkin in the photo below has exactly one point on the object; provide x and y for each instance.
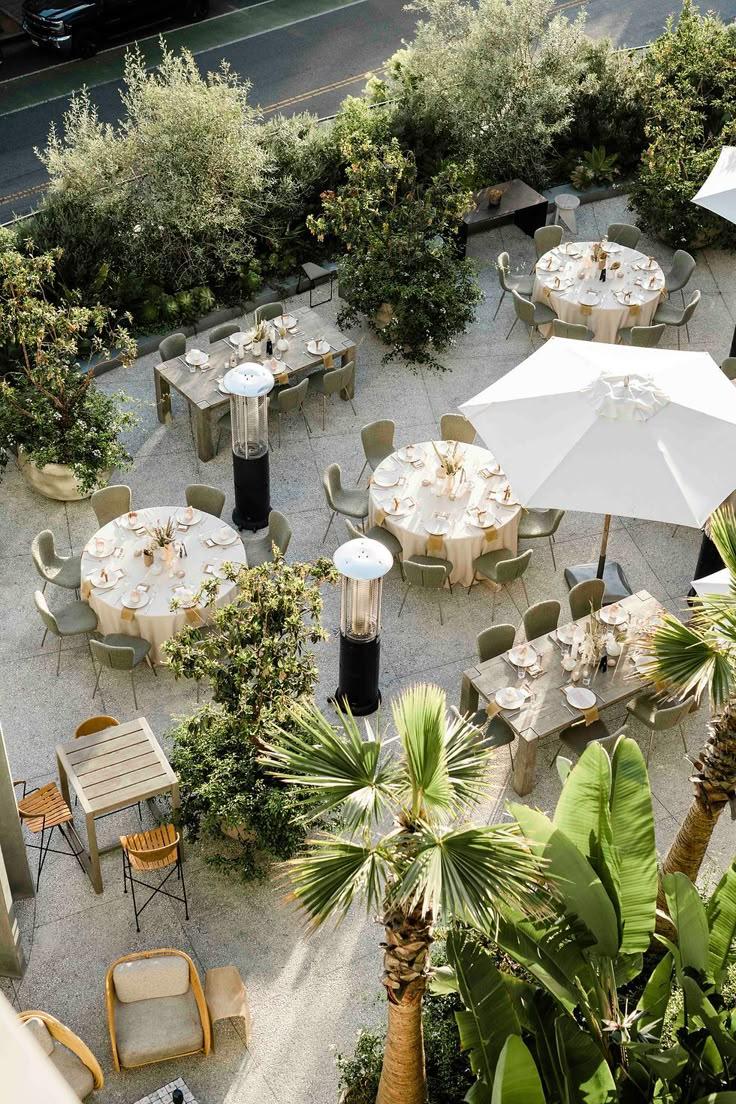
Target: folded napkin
(434, 543)
(209, 542)
(282, 377)
(380, 517)
(493, 709)
(193, 617)
(85, 590)
(127, 614)
(590, 715)
(546, 291)
(634, 307)
(586, 309)
(490, 535)
(328, 360)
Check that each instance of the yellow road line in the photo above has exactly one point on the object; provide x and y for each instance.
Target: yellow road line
(320, 91)
(23, 193)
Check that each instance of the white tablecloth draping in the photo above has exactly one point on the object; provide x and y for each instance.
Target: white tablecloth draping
(463, 541)
(609, 315)
(155, 621)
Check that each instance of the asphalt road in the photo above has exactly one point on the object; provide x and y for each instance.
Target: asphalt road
(311, 64)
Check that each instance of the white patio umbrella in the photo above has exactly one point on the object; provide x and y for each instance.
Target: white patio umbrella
(718, 194)
(717, 583)
(613, 429)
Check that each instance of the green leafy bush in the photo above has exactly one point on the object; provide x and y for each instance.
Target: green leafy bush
(688, 88)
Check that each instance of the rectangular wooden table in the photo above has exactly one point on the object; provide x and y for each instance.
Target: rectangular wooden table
(547, 713)
(110, 770)
(200, 388)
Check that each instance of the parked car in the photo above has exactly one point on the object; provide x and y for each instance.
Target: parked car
(81, 27)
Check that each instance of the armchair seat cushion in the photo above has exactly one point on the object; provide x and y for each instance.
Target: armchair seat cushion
(41, 1034)
(155, 1029)
(73, 1070)
(140, 647)
(148, 978)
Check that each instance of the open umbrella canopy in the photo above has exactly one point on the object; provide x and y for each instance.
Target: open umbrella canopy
(718, 194)
(611, 429)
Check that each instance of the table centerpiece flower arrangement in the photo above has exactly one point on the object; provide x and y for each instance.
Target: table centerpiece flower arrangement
(162, 538)
(451, 465)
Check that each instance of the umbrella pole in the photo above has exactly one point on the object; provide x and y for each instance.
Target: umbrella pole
(617, 585)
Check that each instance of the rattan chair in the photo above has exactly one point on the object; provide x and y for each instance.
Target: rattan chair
(352, 504)
(72, 1058)
(672, 316)
(43, 810)
(658, 717)
(494, 641)
(156, 1008)
(531, 314)
(210, 500)
(61, 571)
(642, 337)
(378, 443)
(391, 543)
(268, 312)
(541, 523)
(624, 233)
(584, 596)
(541, 618)
(456, 427)
(290, 400)
(175, 345)
(111, 502)
(502, 568)
(279, 533)
(571, 330)
(509, 283)
(546, 238)
(146, 852)
(428, 572)
(71, 620)
(119, 652)
(225, 329)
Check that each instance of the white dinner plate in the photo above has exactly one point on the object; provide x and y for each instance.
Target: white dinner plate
(405, 506)
(196, 358)
(565, 283)
(103, 553)
(185, 596)
(523, 656)
(387, 478)
(632, 300)
(410, 454)
(568, 250)
(590, 298)
(131, 521)
(287, 321)
(240, 339)
(99, 583)
(569, 634)
(648, 266)
(613, 615)
(611, 247)
(580, 697)
(193, 520)
(498, 496)
(222, 388)
(224, 537)
(130, 604)
(437, 526)
(509, 697)
(483, 519)
(550, 265)
(318, 349)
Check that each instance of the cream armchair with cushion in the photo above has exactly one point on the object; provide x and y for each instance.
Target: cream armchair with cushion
(155, 1008)
(73, 1059)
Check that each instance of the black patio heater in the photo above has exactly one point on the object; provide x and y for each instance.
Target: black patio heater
(362, 564)
(249, 385)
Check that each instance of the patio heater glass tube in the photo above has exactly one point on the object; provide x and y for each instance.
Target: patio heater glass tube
(362, 564)
(249, 385)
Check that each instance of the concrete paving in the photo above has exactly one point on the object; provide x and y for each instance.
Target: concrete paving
(308, 997)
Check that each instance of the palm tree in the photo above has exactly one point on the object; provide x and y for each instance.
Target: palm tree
(424, 865)
(698, 657)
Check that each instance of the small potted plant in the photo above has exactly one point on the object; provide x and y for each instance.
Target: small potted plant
(260, 334)
(162, 538)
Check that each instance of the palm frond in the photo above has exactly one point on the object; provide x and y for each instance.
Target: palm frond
(340, 767)
(420, 717)
(333, 873)
(716, 613)
(723, 535)
(469, 760)
(686, 659)
(467, 874)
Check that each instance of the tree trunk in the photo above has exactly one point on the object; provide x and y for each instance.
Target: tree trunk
(406, 964)
(688, 848)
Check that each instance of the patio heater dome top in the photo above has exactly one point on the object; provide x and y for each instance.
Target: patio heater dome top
(363, 558)
(249, 380)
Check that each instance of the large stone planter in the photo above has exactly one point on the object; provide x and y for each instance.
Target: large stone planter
(55, 480)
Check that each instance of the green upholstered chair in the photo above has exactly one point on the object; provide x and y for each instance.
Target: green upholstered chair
(624, 233)
(210, 500)
(175, 345)
(328, 383)
(673, 316)
(683, 266)
(428, 572)
(658, 717)
(225, 329)
(267, 312)
(496, 732)
(573, 331)
(494, 641)
(279, 533)
(642, 337)
(111, 502)
(728, 367)
(531, 314)
(119, 652)
(509, 282)
(576, 737)
(71, 620)
(584, 595)
(352, 504)
(290, 400)
(541, 618)
(546, 238)
(502, 568)
(378, 443)
(61, 571)
(391, 543)
(541, 523)
(456, 427)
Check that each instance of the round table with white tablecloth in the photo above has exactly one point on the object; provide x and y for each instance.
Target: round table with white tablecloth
(456, 523)
(205, 542)
(567, 278)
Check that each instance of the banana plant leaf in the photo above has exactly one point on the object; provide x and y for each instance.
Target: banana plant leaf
(656, 995)
(721, 916)
(698, 1005)
(556, 966)
(489, 1017)
(688, 915)
(632, 822)
(665, 1064)
(587, 1076)
(574, 879)
(517, 1080)
(443, 981)
(718, 1098)
(537, 1011)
